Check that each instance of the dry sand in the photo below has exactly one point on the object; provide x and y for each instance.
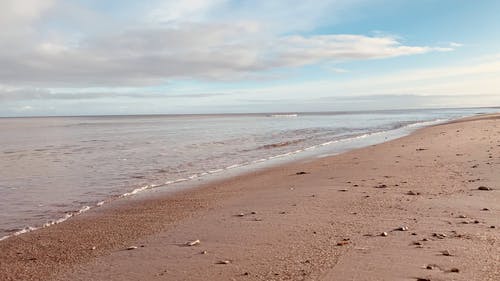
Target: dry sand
(324, 224)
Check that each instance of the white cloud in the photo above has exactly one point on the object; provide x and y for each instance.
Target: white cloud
(195, 39)
(15, 13)
(148, 56)
(455, 44)
(186, 10)
(471, 78)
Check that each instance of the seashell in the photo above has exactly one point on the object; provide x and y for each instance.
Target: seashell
(193, 243)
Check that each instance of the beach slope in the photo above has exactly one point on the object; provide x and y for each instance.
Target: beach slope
(422, 207)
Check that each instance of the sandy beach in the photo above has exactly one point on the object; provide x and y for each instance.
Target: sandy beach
(422, 207)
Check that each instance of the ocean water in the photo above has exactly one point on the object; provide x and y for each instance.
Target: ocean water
(52, 168)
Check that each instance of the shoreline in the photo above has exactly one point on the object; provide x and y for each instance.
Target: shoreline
(308, 153)
(63, 249)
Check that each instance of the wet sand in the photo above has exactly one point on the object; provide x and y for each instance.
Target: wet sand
(320, 219)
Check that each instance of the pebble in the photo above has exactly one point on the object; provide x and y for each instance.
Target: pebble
(344, 241)
(476, 221)
(241, 215)
(224, 262)
(462, 216)
(253, 213)
(412, 193)
(93, 248)
(492, 226)
(423, 279)
(439, 235)
(204, 252)
(193, 243)
(384, 234)
(485, 188)
(485, 209)
(402, 228)
(381, 186)
(446, 253)
(456, 270)
(132, 248)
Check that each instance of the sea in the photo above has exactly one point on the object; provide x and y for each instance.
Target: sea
(53, 168)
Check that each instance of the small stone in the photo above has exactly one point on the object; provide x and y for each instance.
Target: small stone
(246, 273)
(462, 216)
(343, 242)
(456, 270)
(425, 239)
(402, 228)
(384, 234)
(414, 233)
(204, 252)
(241, 215)
(439, 235)
(301, 173)
(476, 221)
(412, 193)
(193, 243)
(430, 266)
(381, 186)
(224, 262)
(93, 248)
(484, 188)
(492, 226)
(253, 213)
(416, 243)
(485, 209)
(423, 279)
(132, 248)
(446, 253)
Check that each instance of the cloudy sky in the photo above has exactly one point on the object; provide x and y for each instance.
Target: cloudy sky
(79, 57)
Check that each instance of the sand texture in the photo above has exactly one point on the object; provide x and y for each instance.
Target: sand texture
(408, 209)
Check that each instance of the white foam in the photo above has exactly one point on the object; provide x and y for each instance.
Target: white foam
(135, 191)
(284, 115)
(47, 224)
(215, 171)
(234, 166)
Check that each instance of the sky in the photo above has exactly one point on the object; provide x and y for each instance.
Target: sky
(95, 57)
